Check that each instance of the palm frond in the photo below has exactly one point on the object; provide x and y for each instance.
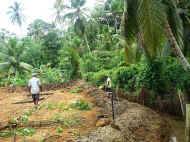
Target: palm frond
(77, 3)
(175, 21)
(69, 15)
(15, 12)
(129, 21)
(25, 66)
(151, 18)
(4, 66)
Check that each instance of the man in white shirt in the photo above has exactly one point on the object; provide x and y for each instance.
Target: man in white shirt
(34, 86)
(108, 82)
(108, 86)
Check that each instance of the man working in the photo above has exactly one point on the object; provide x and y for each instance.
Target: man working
(34, 86)
(108, 85)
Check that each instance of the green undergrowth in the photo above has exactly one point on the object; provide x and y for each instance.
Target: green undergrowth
(54, 106)
(67, 121)
(76, 90)
(81, 105)
(78, 104)
(24, 117)
(19, 132)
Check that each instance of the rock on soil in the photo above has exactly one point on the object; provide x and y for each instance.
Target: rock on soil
(134, 122)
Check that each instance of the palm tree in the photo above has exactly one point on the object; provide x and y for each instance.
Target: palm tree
(177, 16)
(183, 8)
(15, 13)
(11, 57)
(148, 22)
(75, 13)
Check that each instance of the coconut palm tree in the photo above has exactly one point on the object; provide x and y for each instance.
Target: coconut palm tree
(73, 12)
(149, 22)
(11, 57)
(15, 13)
(184, 8)
(176, 26)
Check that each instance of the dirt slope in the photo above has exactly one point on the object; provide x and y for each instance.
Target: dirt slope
(134, 123)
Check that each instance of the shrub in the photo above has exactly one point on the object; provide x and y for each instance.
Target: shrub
(88, 63)
(98, 78)
(151, 76)
(125, 77)
(69, 63)
(99, 61)
(51, 75)
(18, 80)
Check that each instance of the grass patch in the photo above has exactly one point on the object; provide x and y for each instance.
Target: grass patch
(53, 106)
(48, 106)
(19, 132)
(24, 119)
(67, 122)
(81, 105)
(63, 107)
(59, 130)
(25, 131)
(5, 134)
(76, 90)
(28, 112)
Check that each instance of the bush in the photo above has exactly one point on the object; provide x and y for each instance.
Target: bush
(99, 61)
(98, 78)
(18, 80)
(88, 63)
(125, 77)
(51, 75)
(160, 76)
(151, 76)
(69, 63)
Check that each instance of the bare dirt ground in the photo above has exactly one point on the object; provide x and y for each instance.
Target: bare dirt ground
(134, 123)
(15, 104)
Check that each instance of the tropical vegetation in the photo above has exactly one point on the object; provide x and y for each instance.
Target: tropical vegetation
(138, 43)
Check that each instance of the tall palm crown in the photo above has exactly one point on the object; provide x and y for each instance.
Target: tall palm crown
(15, 13)
(73, 10)
(152, 23)
(11, 53)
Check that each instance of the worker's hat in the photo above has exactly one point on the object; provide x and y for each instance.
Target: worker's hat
(34, 74)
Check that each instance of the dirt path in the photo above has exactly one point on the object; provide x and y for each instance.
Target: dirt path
(54, 106)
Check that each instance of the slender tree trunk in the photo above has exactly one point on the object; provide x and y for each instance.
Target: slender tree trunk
(124, 20)
(186, 66)
(124, 29)
(176, 48)
(86, 41)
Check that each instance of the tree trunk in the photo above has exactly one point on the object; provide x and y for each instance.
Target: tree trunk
(124, 20)
(176, 48)
(86, 41)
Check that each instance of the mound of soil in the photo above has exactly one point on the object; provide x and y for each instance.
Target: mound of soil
(134, 123)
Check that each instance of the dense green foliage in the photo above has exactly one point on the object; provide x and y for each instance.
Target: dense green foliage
(134, 51)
